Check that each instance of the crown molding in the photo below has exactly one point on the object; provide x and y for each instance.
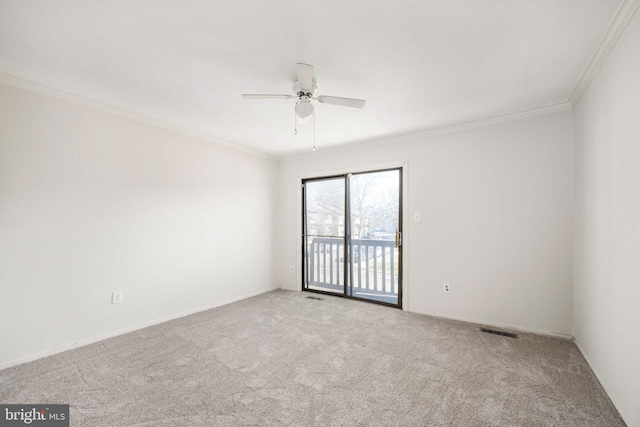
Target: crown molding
(442, 130)
(619, 22)
(30, 85)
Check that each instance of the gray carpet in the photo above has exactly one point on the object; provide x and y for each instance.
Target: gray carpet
(283, 359)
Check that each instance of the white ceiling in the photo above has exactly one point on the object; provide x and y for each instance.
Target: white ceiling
(420, 64)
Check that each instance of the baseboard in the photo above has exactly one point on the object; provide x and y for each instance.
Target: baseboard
(595, 374)
(482, 323)
(137, 327)
(502, 326)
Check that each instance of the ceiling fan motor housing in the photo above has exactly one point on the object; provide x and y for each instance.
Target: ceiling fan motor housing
(310, 92)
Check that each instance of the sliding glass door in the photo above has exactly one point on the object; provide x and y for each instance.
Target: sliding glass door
(352, 235)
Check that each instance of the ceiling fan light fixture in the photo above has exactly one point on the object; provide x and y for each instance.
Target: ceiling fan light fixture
(304, 108)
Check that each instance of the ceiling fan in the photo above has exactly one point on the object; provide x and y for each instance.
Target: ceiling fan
(304, 88)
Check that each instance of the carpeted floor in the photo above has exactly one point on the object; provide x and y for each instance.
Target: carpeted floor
(284, 359)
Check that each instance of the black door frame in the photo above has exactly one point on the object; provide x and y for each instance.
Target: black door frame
(347, 237)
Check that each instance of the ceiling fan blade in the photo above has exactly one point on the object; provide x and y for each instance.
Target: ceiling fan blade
(345, 102)
(305, 76)
(264, 96)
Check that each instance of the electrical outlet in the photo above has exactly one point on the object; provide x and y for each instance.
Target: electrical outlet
(292, 269)
(116, 297)
(447, 288)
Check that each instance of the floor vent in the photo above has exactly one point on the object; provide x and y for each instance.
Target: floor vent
(316, 298)
(501, 333)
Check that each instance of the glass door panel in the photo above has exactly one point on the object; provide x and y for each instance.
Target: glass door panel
(324, 235)
(375, 243)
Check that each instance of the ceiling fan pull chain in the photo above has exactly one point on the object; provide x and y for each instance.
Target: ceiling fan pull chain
(314, 132)
(295, 123)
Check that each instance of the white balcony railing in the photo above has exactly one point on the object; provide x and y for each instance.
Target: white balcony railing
(373, 267)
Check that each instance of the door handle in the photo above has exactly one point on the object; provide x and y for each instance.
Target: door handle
(398, 238)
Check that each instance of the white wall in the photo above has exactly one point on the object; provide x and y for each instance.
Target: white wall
(496, 205)
(607, 224)
(92, 202)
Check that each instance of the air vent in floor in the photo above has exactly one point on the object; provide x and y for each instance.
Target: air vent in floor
(501, 333)
(316, 298)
